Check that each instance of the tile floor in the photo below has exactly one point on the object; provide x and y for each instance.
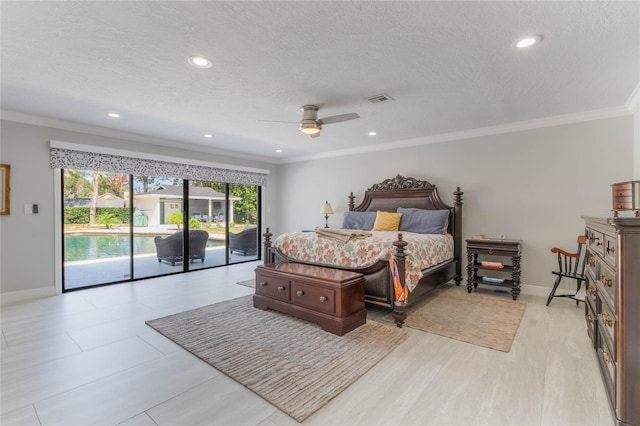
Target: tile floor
(87, 358)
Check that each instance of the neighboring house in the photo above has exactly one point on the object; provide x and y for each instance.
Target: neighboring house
(105, 200)
(205, 203)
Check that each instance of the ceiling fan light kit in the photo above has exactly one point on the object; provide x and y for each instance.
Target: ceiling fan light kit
(309, 125)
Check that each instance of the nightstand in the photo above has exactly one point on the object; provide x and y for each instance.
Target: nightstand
(494, 262)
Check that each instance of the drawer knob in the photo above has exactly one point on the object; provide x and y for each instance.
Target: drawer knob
(606, 280)
(606, 319)
(323, 298)
(281, 288)
(263, 283)
(300, 293)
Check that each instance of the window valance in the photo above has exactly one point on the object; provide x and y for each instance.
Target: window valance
(85, 160)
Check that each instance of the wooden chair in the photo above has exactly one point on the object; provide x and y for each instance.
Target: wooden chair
(570, 265)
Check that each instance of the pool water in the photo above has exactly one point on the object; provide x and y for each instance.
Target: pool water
(88, 247)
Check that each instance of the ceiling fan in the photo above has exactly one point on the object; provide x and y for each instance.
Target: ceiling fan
(311, 124)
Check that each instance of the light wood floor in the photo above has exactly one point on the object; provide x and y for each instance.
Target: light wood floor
(87, 358)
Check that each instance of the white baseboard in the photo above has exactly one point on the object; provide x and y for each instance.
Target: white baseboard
(536, 290)
(20, 296)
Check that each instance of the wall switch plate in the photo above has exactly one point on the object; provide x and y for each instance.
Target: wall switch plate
(28, 209)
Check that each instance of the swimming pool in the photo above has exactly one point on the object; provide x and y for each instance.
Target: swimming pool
(91, 246)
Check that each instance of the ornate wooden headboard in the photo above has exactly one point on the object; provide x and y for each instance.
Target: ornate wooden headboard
(409, 192)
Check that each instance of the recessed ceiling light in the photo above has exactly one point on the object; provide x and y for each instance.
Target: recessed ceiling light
(199, 61)
(113, 115)
(278, 150)
(208, 135)
(372, 133)
(528, 41)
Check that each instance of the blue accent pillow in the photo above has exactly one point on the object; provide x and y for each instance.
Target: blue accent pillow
(359, 220)
(424, 221)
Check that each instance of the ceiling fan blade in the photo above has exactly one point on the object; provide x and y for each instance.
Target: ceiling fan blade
(278, 121)
(339, 118)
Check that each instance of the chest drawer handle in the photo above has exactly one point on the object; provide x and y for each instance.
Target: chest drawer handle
(606, 319)
(592, 261)
(592, 292)
(299, 293)
(606, 280)
(605, 355)
(323, 298)
(263, 284)
(589, 319)
(281, 288)
(610, 250)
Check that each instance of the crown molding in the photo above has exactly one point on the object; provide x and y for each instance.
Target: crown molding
(35, 120)
(474, 133)
(633, 103)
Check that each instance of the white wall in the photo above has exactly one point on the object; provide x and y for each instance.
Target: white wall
(532, 185)
(28, 241)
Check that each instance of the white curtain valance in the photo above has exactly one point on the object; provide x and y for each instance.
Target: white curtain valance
(82, 160)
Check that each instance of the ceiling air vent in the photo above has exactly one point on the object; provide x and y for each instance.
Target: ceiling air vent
(380, 98)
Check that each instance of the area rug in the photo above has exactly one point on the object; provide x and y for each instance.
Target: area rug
(248, 283)
(293, 364)
(479, 319)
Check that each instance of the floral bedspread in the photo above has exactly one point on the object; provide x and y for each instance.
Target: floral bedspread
(423, 250)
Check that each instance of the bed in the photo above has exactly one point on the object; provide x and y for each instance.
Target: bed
(387, 196)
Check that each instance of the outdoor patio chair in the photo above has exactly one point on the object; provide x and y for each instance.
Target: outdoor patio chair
(245, 242)
(169, 249)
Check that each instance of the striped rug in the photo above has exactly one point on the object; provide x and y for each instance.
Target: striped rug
(293, 364)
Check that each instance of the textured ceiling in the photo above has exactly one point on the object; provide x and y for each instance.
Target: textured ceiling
(449, 66)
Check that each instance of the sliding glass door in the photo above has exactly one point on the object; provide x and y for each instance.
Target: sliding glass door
(121, 227)
(96, 229)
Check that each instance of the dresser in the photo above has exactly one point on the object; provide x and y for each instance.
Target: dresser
(612, 309)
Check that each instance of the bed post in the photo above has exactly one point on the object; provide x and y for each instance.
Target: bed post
(457, 203)
(399, 313)
(352, 204)
(268, 256)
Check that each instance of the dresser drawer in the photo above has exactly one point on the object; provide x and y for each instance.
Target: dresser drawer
(607, 323)
(317, 298)
(591, 264)
(274, 287)
(591, 319)
(607, 284)
(591, 290)
(610, 250)
(595, 241)
(608, 369)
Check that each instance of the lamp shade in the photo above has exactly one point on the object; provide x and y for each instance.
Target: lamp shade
(326, 208)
